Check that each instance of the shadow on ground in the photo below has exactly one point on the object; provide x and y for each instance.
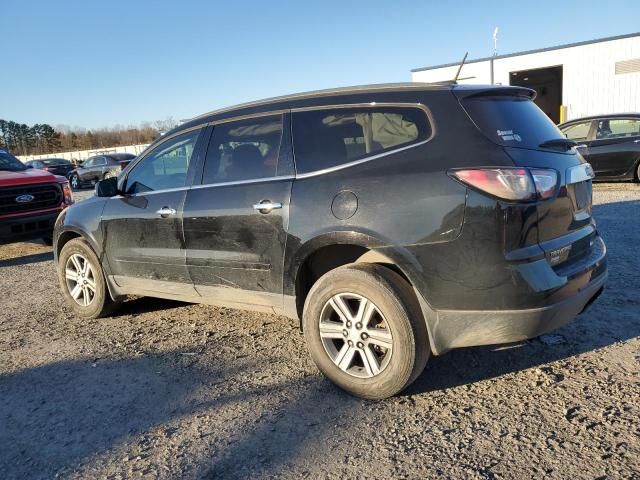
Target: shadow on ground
(27, 259)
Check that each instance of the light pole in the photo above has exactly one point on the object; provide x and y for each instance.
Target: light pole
(495, 51)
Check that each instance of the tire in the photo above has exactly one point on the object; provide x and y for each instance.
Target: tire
(397, 315)
(74, 181)
(637, 179)
(89, 303)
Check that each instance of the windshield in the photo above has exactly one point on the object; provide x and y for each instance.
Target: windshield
(10, 163)
(511, 121)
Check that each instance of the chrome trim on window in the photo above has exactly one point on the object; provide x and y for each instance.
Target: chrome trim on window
(248, 116)
(358, 162)
(207, 185)
(579, 173)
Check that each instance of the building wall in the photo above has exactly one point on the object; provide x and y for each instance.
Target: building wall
(81, 155)
(589, 83)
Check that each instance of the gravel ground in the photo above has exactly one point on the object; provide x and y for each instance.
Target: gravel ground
(170, 390)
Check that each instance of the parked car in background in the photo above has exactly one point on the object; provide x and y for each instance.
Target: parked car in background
(610, 143)
(98, 168)
(57, 166)
(30, 200)
(394, 221)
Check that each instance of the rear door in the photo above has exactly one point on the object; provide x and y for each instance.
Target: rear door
(616, 147)
(143, 227)
(236, 221)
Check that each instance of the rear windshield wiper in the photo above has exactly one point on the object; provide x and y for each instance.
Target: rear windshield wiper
(563, 143)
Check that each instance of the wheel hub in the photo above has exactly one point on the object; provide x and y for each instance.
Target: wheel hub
(355, 335)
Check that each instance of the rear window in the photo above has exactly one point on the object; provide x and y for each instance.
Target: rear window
(330, 137)
(511, 121)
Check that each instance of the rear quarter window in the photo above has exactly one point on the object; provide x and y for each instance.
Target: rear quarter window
(330, 137)
(511, 121)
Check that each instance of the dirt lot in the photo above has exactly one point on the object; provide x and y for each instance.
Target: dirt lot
(168, 390)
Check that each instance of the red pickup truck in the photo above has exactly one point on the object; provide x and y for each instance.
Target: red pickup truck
(30, 200)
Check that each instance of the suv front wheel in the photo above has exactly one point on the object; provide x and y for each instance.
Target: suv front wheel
(82, 280)
(365, 331)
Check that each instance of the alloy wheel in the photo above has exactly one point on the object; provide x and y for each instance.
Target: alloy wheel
(355, 335)
(81, 281)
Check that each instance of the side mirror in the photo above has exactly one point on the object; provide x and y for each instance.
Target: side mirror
(107, 187)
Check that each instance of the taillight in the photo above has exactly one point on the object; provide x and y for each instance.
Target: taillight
(67, 194)
(514, 184)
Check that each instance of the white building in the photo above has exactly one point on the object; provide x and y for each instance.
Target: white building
(575, 80)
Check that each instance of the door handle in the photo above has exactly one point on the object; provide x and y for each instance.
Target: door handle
(265, 206)
(583, 145)
(165, 212)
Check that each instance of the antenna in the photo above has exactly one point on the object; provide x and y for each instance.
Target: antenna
(455, 79)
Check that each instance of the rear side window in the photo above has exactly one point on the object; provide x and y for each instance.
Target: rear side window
(329, 137)
(511, 121)
(243, 150)
(578, 131)
(617, 128)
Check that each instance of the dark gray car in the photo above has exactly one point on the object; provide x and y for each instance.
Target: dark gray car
(98, 168)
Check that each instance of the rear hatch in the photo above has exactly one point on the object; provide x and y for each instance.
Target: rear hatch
(509, 117)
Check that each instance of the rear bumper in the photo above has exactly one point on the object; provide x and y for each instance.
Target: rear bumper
(27, 227)
(572, 292)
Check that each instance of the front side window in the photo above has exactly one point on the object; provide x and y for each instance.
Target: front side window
(618, 128)
(243, 150)
(577, 132)
(165, 166)
(328, 137)
(99, 161)
(89, 163)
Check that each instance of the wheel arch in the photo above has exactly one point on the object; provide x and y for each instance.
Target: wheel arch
(332, 250)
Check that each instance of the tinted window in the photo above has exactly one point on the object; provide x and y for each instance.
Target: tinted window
(165, 166)
(618, 128)
(244, 150)
(56, 161)
(577, 131)
(511, 121)
(326, 138)
(9, 162)
(89, 163)
(99, 161)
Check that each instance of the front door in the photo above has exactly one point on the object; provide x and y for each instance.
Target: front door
(143, 227)
(235, 223)
(614, 150)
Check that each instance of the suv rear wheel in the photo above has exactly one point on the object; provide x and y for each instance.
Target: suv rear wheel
(82, 280)
(365, 331)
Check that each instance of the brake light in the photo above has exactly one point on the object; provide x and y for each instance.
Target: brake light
(67, 194)
(514, 184)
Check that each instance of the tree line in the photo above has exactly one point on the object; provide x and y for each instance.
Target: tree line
(42, 139)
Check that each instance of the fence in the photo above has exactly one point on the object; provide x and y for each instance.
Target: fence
(81, 155)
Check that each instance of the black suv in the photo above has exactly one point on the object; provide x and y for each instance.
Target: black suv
(395, 221)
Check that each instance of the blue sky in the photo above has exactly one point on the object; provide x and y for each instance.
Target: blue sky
(101, 63)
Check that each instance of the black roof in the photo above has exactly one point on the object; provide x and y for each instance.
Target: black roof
(602, 117)
(355, 94)
(528, 52)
